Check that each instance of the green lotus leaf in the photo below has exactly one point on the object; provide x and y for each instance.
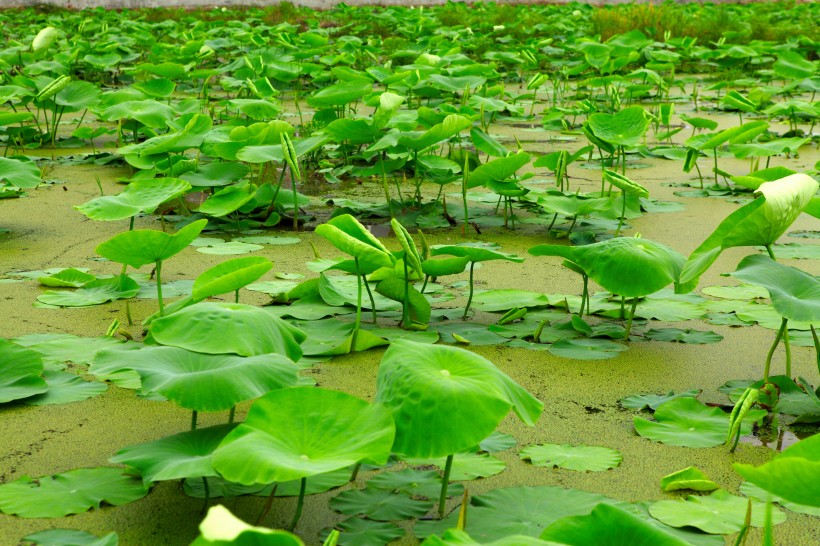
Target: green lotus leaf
(65, 387)
(718, 513)
(793, 66)
(202, 382)
(296, 433)
(751, 490)
(139, 196)
(609, 525)
(625, 184)
(796, 251)
(216, 174)
(379, 505)
(144, 246)
(218, 328)
(189, 136)
(71, 492)
(508, 298)
(217, 487)
(183, 455)
(454, 537)
(221, 528)
(682, 336)
(93, 293)
(259, 109)
(229, 276)
(794, 293)
(626, 128)
(67, 278)
(348, 235)
(56, 349)
(149, 112)
(733, 135)
(418, 306)
(70, 537)
(487, 144)
(361, 532)
(340, 94)
(416, 483)
(498, 170)
(231, 248)
(582, 458)
(77, 95)
(688, 478)
(445, 399)
(791, 475)
(586, 349)
(690, 423)
(20, 372)
(627, 266)
(411, 253)
(18, 173)
(333, 338)
(466, 466)
(467, 333)
(445, 266)
(474, 253)
(652, 401)
(760, 222)
(452, 125)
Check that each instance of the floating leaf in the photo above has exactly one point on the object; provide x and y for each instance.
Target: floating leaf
(586, 349)
(64, 387)
(20, 372)
(229, 249)
(416, 483)
(144, 246)
(652, 401)
(93, 293)
(581, 457)
(696, 337)
(71, 492)
(718, 513)
(363, 532)
(379, 505)
(70, 537)
(229, 276)
(688, 478)
(67, 278)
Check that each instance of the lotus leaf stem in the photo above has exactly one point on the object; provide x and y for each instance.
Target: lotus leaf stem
(193, 420)
(358, 322)
(773, 347)
(631, 316)
(744, 531)
(470, 297)
(584, 296)
(771, 252)
(299, 504)
(159, 288)
(267, 505)
(405, 308)
(536, 337)
(207, 489)
(372, 301)
(768, 528)
(787, 344)
(816, 345)
(355, 472)
(445, 481)
(232, 414)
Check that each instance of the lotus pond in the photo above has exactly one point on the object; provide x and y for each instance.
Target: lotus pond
(410, 276)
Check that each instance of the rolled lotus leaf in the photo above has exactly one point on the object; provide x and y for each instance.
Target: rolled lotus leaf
(445, 399)
(351, 237)
(623, 183)
(627, 266)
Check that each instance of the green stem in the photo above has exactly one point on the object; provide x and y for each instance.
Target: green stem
(236, 296)
(771, 350)
(788, 346)
(299, 504)
(159, 288)
(768, 527)
(193, 420)
(355, 472)
(358, 322)
(816, 346)
(232, 414)
(623, 213)
(584, 296)
(470, 297)
(405, 308)
(631, 316)
(207, 494)
(372, 300)
(445, 481)
(771, 252)
(464, 181)
(268, 503)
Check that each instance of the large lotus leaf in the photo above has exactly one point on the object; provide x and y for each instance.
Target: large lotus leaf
(795, 294)
(296, 433)
(454, 537)
(792, 475)
(227, 200)
(138, 196)
(221, 528)
(93, 293)
(70, 537)
(416, 483)
(183, 455)
(791, 65)
(21, 174)
(718, 513)
(60, 348)
(446, 399)
(71, 492)
(202, 382)
(760, 222)
(609, 525)
(626, 128)
(229, 276)
(148, 112)
(379, 505)
(351, 237)
(733, 135)
(216, 174)
(517, 511)
(218, 328)
(340, 94)
(583, 458)
(20, 372)
(144, 246)
(627, 266)
(689, 423)
(189, 136)
(452, 125)
(474, 252)
(77, 95)
(256, 108)
(499, 169)
(65, 387)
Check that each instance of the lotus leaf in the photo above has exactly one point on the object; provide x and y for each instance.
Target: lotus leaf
(688, 478)
(144, 246)
(718, 513)
(221, 528)
(444, 399)
(791, 475)
(582, 458)
(93, 293)
(71, 492)
(198, 381)
(18, 173)
(229, 249)
(379, 505)
(416, 483)
(20, 372)
(586, 349)
(454, 537)
(65, 387)
(70, 537)
(229, 276)
(652, 401)
(218, 328)
(465, 466)
(363, 532)
(138, 196)
(498, 170)
(71, 278)
(626, 128)
(687, 422)
(348, 235)
(184, 455)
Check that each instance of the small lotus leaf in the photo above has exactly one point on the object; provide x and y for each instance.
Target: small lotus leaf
(625, 184)
(379, 504)
(348, 235)
(652, 401)
(231, 248)
(229, 276)
(70, 537)
(364, 532)
(475, 253)
(416, 483)
(688, 478)
(18, 173)
(586, 349)
(689, 423)
(218, 328)
(454, 537)
(446, 399)
(72, 278)
(303, 431)
(202, 382)
(466, 466)
(795, 294)
(93, 293)
(683, 336)
(71, 492)
(718, 513)
(64, 387)
(144, 246)
(508, 298)
(221, 528)
(467, 333)
(20, 372)
(499, 169)
(183, 455)
(582, 458)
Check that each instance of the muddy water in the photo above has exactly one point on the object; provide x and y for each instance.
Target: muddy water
(580, 396)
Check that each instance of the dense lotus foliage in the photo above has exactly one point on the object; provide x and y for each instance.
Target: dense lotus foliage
(400, 145)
